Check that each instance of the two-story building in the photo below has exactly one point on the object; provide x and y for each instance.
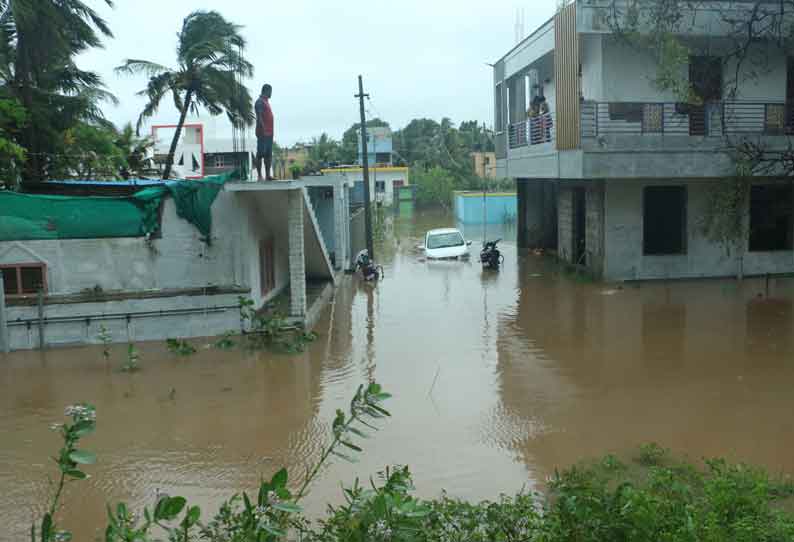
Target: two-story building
(616, 174)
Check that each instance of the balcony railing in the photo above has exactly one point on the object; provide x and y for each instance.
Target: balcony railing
(533, 131)
(680, 119)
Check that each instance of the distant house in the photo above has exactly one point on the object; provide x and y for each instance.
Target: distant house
(380, 149)
(384, 182)
(484, 164)
(615, 174)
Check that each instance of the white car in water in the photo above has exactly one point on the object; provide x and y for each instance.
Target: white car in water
(446, 244)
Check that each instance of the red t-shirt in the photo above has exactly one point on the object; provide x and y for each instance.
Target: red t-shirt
(264, 118)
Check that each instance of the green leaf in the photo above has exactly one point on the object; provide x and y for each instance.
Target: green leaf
(279, 479)
(381, 410)
(82, 457)
(288, 507)
(351, 446)
(248, 508)
(358, 432)
(272, 530)
(46, 527)
(168, 508)
(76, 474)
(121, 510)
(192, 517)
(83, 428)
(264, 489)
(345, 457)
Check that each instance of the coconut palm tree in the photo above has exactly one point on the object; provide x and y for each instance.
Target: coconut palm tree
(39, 40)
(210, 68)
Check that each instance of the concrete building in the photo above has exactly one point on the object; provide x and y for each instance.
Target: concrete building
(484, 164)
(267, 240)
(614, 173)
(380, 150)
(384, 182)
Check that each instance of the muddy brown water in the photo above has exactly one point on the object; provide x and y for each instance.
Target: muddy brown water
(497, 379)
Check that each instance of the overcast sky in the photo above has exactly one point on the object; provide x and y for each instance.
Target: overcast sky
(419, 58)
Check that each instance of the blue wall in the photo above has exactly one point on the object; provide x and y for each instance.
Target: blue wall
(500, 207)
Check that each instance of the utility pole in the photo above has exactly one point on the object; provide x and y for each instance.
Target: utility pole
(365, 157)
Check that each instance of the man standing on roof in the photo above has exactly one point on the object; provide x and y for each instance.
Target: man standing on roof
(264, 133)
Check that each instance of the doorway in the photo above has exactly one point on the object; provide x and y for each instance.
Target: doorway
(267, 268)
(705, 76)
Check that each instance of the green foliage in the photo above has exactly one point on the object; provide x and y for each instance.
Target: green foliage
(226, 342)
(676, 503)
(323, 152)
(69, 460)
(132, 364)
(272, 330)
(180, 347)
(266, 518)
(434, 186)
(383, 513)
(723, 219)
(654, 498)
(39, 42)
(651, 454)
(210, 61)
(106, 338)
(13, 118)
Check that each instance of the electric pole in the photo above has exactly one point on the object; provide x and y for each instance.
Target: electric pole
(365, 163)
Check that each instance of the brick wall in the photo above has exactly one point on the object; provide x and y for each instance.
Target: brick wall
(297, 263)
(594, 230)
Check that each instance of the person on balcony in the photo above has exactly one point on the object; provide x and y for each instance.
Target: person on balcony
(545, 121)
(534, 121)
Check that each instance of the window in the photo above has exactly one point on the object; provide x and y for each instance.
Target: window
(219, 161)
(771, 218)
(383, 158)
(24, 279)
(498, 113)
(380, 186)
(664, 220)
(444, 240)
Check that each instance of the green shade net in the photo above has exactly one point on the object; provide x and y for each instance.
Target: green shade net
(26, 217)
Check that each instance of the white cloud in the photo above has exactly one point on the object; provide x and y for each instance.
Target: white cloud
(419, 58)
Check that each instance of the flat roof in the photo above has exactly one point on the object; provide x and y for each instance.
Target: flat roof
(358, 168)
(285, 184)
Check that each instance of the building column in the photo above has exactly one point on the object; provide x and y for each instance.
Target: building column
(340, 223)
(297, 257)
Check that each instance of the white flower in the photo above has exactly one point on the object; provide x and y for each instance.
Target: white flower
(261, 510)
(380, 530)
(80, 412)
(56, 426)
(272, 498)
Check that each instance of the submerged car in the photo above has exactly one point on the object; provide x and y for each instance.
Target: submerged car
(446, 243)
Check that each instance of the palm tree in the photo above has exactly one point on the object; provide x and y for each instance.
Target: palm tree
(39, 40)
(210, 67)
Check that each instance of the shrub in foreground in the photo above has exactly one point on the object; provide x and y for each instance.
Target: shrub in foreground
(651, 498)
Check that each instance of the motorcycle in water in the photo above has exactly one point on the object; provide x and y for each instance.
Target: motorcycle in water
(369, 270)
(490, 257)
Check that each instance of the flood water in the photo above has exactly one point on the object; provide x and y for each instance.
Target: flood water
(497, 379)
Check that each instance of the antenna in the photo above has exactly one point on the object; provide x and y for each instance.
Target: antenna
(519, 27)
